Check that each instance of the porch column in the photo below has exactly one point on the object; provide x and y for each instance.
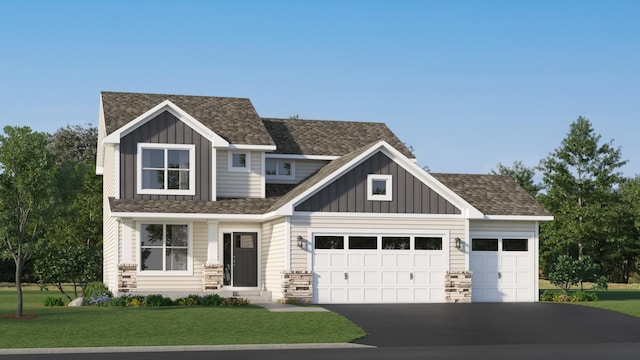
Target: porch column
(127, 240)
(212, 243)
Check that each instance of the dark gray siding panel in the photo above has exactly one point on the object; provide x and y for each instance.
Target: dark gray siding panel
(349, 192)
(164, 129)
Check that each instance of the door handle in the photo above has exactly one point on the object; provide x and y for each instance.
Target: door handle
(346, 276)
(410, 276)
(499, 275)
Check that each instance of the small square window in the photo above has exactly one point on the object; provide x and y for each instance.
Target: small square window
(239, 161)
(379, 187)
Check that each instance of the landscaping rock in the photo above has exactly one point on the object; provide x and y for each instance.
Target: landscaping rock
(77, 302)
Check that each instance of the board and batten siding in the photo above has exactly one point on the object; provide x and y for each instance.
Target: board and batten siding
(273, 256)
(109, 227)
(239, 184)
(164, 129)
(348, 193)
(170, 283)
(300, 226)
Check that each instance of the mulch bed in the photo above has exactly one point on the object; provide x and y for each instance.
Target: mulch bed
(23, 317)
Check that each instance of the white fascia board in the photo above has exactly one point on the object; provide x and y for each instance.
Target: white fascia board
(100, 145)
(175, 110)
(301, 157)
(252, 147)
(518, 218)
(183, 216)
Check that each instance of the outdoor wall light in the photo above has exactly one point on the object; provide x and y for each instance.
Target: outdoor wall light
(458, 243)
(300, 242)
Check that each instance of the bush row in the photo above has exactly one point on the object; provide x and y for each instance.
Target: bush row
(563, 296)
(159, 300)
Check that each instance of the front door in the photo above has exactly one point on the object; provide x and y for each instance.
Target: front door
(245, 260)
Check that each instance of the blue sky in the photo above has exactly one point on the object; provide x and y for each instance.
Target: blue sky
(468, 84)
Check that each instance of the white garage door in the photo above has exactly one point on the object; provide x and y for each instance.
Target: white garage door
(379, 268)
(503, 269)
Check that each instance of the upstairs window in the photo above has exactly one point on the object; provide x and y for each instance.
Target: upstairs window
(239, 161)
(379, 187)
(279, 169)
(166, 169)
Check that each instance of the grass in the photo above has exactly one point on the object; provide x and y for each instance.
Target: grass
(114, 326)
(622, 298)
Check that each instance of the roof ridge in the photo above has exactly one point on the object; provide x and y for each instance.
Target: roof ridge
(324, 120)
(183, 95)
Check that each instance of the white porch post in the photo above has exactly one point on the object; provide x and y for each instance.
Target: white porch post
(212, 243)
(127, 239)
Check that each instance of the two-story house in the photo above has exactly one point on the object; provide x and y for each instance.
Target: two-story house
(202, 195)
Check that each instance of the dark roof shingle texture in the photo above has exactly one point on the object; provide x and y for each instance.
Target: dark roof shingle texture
(250, 206)
(324, 137)
(234, 119)
(493, 194)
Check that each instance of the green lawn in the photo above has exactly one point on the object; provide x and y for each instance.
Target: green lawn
(113, 326)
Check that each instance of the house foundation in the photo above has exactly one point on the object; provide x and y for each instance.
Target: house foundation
(457, 287)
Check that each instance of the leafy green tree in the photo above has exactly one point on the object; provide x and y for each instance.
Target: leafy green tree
(26, 195)
(77, 227)
(567, 272)
(622, 253)
(579, 182)
(522, 174)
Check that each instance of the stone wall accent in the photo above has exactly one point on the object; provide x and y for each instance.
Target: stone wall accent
(212, 277)
(127, 278)
(457, 287)
(297, 286)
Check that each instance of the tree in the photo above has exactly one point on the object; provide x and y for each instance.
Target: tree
(579, 182)
(567, 272)
(73, 243)
(522, 174)
(74, 143)
(26, 189)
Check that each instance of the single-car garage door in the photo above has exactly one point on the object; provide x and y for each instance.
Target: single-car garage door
(503, 269)
(379, 268)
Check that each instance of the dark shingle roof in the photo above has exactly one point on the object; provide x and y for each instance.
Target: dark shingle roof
(234, 119)
(493, 194)
(251, 206)
(323, 137)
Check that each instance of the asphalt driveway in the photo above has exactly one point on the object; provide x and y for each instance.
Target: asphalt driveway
(488, 324)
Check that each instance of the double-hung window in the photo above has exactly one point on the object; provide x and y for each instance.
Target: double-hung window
(165, 169)
(164, 248)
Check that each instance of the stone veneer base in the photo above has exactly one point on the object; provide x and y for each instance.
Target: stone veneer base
(457, 287)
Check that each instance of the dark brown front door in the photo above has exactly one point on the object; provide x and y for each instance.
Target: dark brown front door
(245, 259)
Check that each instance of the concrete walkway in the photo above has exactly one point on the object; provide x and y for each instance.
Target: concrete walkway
(278, 307)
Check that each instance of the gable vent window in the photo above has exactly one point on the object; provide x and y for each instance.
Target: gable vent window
(379, 187)
(166, 169)
(279, 169)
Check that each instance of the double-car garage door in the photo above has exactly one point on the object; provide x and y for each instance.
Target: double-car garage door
(371, 268)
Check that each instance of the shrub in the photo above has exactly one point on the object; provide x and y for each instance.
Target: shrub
(580, 296)
(98, 300)
(551, 295)
(233, 301)
(158, 300)
(96, 289)
(53, 301)
(128, 300)
(211, 300)
(190, 300)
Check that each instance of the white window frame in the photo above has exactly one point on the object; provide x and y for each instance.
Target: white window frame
(246, 168)
(163, 272)
(192, 169)
(278, 162)
(388, 179)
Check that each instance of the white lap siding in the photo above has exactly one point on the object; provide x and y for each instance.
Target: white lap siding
(239, 184)
(273, 256)
(304, 168)
(109, 226)
(301, 225)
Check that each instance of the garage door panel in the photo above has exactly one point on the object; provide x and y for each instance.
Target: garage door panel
(421, 260)
(355, 260)
(371, 261)
(355, 295)
(404, 260)
(371, 277)
(337, 260)
(404, 278)
(372, 295)
(389, 278)
(389, 260)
